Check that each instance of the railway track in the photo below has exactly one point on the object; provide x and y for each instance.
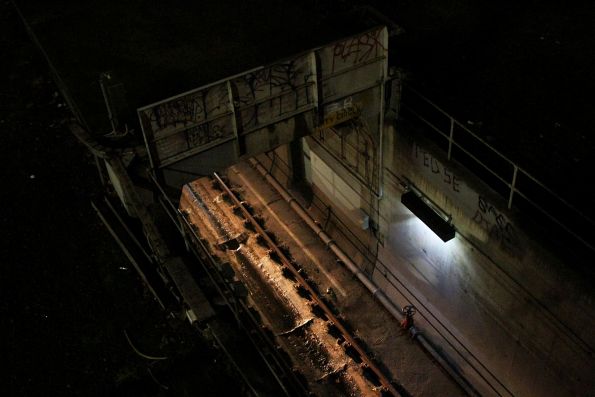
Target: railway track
(350, 343)
(355, 361)
(221, 277)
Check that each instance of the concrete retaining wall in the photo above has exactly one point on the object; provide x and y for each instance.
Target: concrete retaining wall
(541, 312)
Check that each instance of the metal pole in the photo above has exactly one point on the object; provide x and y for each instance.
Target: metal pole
(100, 170)
(512, 186)
(450, 136)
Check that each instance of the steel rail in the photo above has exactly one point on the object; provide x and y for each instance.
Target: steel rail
(386, 384)
(245, 319)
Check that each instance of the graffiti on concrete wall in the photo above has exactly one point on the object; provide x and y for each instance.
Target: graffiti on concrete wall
(278, 78)
(497, 225)
(340, 112)
(358, 49)
(188, 121)
(485, 215)
(271, 105)
(202, 134)
(179, 112)
(441, 172)
(351, 76)
(189, 109)
(184, 125)
(345, 134)
(274, 92)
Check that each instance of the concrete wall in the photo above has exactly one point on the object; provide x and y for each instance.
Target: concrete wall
(523, 321)
(509, 315)
(345, 198)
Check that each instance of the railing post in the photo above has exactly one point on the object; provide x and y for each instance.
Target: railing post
(450, 135)
(512, 186)
(516, 169)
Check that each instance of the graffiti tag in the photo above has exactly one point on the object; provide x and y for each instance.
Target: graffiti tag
(498, 227)
(431, 163)
(358, 49)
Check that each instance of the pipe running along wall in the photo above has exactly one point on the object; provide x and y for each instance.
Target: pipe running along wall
(327, 240)
(361, 276)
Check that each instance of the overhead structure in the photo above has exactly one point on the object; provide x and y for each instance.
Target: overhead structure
(258, 110)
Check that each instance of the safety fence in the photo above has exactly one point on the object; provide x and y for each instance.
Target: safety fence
(521, 189)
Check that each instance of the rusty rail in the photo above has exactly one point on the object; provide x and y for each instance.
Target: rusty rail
(387, 386)
(245, 319)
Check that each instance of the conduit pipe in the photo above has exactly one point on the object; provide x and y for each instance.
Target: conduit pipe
(328, 241)
(370, 285)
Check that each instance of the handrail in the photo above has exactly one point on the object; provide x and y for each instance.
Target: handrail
(517, 171)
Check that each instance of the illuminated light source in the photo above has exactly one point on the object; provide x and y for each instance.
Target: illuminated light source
(441, 227)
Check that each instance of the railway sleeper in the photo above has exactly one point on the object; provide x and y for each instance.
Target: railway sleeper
(352, 352)
(335, 332)
(288, 274)
(237, 211)
(239, 289)
(226, 270)
(370, 375)
(248, 225)
(232, 243)
(216, 185)
(226, 198)
(274, 256)
(318, 311)
(303, 292)
(280, 254)
(261, 241)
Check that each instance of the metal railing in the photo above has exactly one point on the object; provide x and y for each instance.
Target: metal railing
(510, 179)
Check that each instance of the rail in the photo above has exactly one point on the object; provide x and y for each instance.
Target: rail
(442, 331)
(349, 338)
(281, 370)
